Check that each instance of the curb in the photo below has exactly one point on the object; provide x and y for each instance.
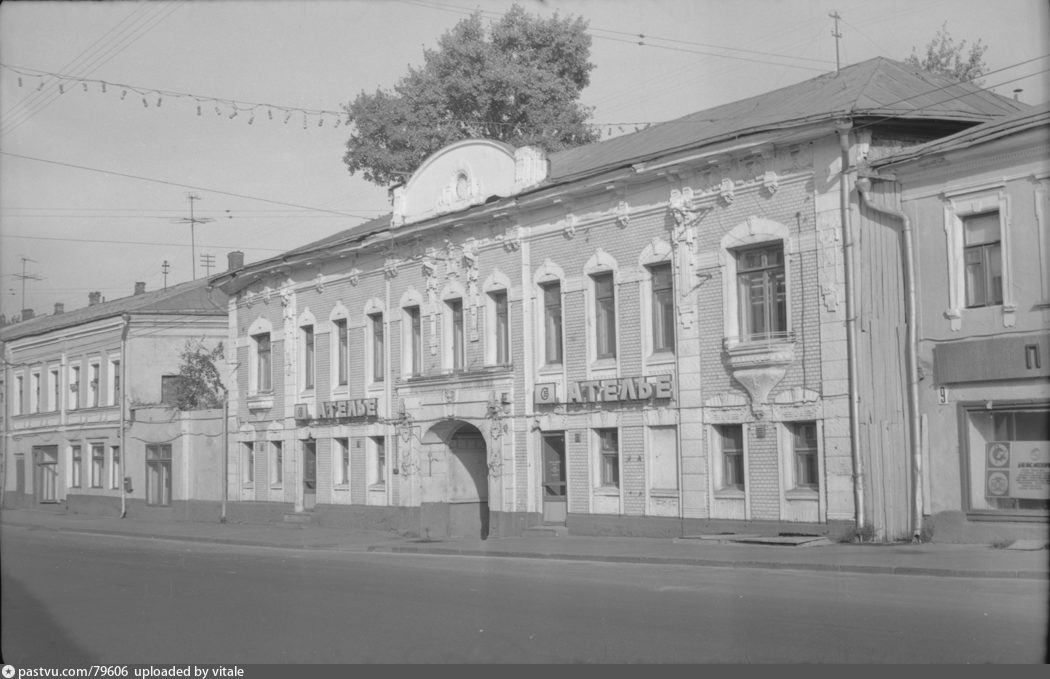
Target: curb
(714, 563)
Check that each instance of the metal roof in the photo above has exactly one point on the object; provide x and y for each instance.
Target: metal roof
(192, 298)
(1038, 116)
(874, 88)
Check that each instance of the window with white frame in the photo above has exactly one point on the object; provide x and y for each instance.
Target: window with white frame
(309, 362)
(114, 381)
(34, 393)
(19, 396)
(980, 273)
(604, 315)
(731, 456)
(377, 347)
(341, 350)
(115, 472)
(98, 464)
(412, 341)
(158, 474)
(94, 387)
(1006, 452)
(663, 458)
(804, 455)
(341, 461)
(263, 372)
(376, 461)
(455, 343)
(248, 464)
(661, 307)
(552, 323)
(608, 457)
(499, 329)
(75, 466)
(761, 293)
(982, 253)
(74, 387)
(276, 463)
(54, 385)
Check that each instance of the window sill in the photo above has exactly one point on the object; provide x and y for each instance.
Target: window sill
(660, 357)
(260, 401)
(607, 491)
(802, 495)
(276, 487)
(662, 492)
(729, 494)
(1020, 515)
(341, 488)
(551, 369)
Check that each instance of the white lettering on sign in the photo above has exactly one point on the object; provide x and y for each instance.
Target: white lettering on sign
(620, 390)
(1018, 469)
(354, 408)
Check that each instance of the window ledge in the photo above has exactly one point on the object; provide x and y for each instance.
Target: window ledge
(802, 494)
(607, 491)
(341, 488)
(662, 492)
(377, 486)
(1019, 515)
(660, 357)
(260, 401)
(729, 494)
(551, 369)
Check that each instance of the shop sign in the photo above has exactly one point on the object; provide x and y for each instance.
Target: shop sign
(1018, 469)
(357, 408)
(620, 390)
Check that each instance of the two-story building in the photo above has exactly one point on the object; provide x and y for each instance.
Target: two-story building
(658, 334)
(972, 211)
(84, 428)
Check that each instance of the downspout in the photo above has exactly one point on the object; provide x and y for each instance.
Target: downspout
(126, 321)
(844, 127)
(911, 350)
(224, 474)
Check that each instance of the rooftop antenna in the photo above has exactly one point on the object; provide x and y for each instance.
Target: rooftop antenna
(165, 267)
(193, 221)
(835, 33)
(26, 277)
(208, 262)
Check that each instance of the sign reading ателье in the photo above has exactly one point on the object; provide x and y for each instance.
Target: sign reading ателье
(620, 390)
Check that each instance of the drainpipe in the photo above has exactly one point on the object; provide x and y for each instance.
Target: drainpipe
(126, 320)
(224, 474)
(843, 127)
(911, 352)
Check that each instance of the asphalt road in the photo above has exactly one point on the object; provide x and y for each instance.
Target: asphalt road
(75, 599)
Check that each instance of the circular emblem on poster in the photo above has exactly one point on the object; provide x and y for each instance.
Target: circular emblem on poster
(998, 454)
(998, 484)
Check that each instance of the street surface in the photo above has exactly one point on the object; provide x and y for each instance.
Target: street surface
(73, 599)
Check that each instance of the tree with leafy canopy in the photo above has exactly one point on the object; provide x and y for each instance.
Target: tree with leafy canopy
(200, 385)
(946, 57)
(518, 82)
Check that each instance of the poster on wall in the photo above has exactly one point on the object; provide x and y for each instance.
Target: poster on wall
(1017, 469)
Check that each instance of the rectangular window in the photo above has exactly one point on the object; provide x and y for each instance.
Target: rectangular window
(552, 323)
(276, 463)
(377, 455)
(34, 395)
(115, 472)
(762, 293)
(501, 331)
(263, 363)
(342, 349)
(342, 462)
(74, 388)
(1008, 450)
(605, 315)
(804, 437)
(248, 464)
(93, 385)
(53, 395)
(982, 246)
(75, 466)
(732, 438)
(114, 382)
(414, 340)
(20, 395)
(98, 465)
(308, 357)
(609, 457)
(662, 301)
(378, 347)
(158, 474)
(455, 309)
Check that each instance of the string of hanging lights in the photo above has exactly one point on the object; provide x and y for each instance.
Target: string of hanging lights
(230, 108)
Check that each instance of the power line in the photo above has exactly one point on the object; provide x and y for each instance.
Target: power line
(103, 241)
(184, 186)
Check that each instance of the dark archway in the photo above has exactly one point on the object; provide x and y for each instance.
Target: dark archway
(456, 486)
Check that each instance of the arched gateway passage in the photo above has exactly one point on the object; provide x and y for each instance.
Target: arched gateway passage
(455, 483)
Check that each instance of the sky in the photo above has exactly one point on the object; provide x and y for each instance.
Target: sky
(236, 102)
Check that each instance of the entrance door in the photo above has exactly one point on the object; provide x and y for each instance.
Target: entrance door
(468, 484)
(554, 486)
(46, 486)
(20, 475)
(309, 474)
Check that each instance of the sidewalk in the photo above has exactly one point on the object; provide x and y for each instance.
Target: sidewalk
(932, 559)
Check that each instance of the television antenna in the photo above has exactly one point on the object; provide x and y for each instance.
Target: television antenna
(26, 277)
(193, 221)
